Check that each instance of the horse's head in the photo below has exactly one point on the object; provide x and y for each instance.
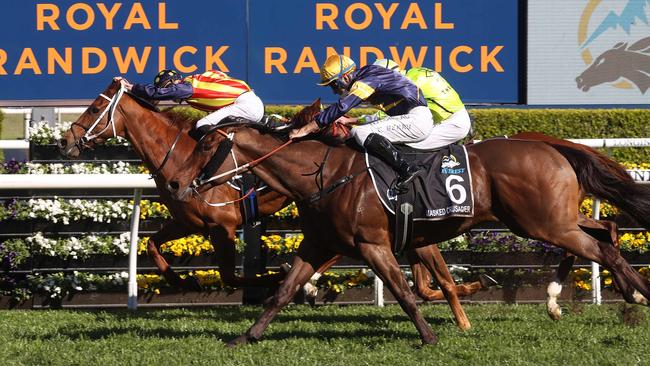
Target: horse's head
(96, 124)
(306, 114)
(622, 61)
(220, 149)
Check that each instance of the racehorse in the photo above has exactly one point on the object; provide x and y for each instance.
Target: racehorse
(533, 187)
(161, 141)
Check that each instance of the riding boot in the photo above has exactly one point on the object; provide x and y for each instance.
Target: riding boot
(379, 146)
(199, 132)
(274, 122)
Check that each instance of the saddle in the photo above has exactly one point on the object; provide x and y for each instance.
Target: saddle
(443, 191)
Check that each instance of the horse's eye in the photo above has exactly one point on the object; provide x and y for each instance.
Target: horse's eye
(94, 110)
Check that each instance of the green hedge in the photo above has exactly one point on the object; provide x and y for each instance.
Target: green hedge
(562, 123)
(570, 123)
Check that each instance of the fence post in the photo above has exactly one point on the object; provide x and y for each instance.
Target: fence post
(596, 296)
(133, 251)
(379, 291)
(254, 254)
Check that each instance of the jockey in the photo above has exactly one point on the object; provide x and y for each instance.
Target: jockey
(213, 91)
(408, 121)
(450, 118)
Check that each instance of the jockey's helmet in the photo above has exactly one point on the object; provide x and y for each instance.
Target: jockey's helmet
(166, 77)
(389, 64)
(335, 67)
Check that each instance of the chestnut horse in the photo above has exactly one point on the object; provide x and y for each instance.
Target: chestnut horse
(532, 187)
(161, 141)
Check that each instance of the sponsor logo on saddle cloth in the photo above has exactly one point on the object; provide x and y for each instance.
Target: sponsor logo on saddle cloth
(445, 190)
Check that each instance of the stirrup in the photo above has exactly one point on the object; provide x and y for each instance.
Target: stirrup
(404, 181)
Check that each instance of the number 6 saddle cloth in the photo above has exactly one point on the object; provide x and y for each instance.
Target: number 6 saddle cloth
(445, 190)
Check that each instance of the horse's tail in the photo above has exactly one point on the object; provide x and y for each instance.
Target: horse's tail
(607, 179)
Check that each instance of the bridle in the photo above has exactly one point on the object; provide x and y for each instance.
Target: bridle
(82, 143)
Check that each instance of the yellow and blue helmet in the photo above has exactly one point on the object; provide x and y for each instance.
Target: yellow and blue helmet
(166, 77)
(334, 67)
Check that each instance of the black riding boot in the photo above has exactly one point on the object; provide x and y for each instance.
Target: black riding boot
(379, 146)
(198, 133)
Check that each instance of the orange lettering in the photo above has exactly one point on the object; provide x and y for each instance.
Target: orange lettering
(437, 61)
(27, 61)
(85, 8)
(215, 58)
(490, 58)
(162, 18)
(306, 60)
(386, 14)
(109, 15)
(137, 16)
(3, 61)
(50, 18)
(162, 58)
(409, 56)
(54, 58)
(439, 24)
(270, 61)
(414, 16)
(453, 59)
(363, 54)
(86, 68)
(178, 64)
(322, 18)
(123, 62)
(367, 16)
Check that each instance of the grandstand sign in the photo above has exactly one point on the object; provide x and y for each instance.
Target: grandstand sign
(69, 50)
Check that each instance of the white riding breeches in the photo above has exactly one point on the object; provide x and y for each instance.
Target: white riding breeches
(408, 128)
(449, 131)
(247, 105)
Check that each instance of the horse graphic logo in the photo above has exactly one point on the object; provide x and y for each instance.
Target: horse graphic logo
(449, 162)
(627, 64)
(622, 61)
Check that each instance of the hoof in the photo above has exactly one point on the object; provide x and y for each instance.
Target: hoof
(555, 313)
(191, 284)
(487, 281)
(239, 341)
(429, 342)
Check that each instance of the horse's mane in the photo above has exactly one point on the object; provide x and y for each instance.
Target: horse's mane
(184, 121)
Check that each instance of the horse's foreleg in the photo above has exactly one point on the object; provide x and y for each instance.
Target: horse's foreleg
(306, 260)
(170, 231)
(383, 263)
(431, 258)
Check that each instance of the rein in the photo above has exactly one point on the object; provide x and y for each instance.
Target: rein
(237, 169)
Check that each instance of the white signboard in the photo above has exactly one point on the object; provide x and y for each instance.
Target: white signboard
(588, 52)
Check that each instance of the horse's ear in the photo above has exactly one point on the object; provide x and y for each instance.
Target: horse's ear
(620, 45)
(316, 104)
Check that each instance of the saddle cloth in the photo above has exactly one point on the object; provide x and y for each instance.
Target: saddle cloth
(444, 191)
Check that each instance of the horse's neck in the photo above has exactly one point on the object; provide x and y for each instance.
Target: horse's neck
(293, 171)
(152, 137)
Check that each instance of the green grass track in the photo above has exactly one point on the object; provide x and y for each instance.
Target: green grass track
(327, 335)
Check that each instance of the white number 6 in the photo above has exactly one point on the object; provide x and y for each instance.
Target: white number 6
(455, 187)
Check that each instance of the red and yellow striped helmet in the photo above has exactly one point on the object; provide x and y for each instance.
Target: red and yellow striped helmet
(334, 67)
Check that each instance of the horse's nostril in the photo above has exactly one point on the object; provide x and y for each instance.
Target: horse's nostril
(62, 143)
(173, 186)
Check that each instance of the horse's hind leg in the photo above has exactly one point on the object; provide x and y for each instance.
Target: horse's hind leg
(431, 258)
(304, 264)
(555, 288)
(382, 261)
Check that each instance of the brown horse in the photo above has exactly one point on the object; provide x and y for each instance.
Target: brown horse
(162, 142)
(532, 187)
